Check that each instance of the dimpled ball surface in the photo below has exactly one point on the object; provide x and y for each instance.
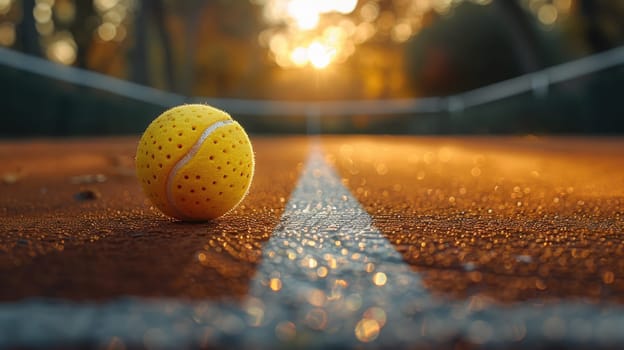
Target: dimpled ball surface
(195, 163)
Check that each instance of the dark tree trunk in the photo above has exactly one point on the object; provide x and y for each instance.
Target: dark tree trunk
(157, 11)
(27, 35)
(138, 60)
(151, 12)
(522, 30)
(82, 29)
(594, 35)
(192, 29)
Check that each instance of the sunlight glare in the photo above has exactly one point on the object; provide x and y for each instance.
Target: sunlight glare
(304, 13)
(313, 32)
(320, 56)
(299, 56)
(345, 6)
(317, 33)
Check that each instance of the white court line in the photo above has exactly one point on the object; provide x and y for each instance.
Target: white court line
(313, 309)
(330, 262)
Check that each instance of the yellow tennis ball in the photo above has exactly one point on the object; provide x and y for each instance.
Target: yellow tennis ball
(195, 163)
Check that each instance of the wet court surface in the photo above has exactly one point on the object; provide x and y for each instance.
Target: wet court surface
(508, 242)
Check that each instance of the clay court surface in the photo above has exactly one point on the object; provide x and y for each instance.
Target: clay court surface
(497, 222)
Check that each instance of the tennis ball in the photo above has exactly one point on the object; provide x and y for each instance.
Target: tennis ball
(194, 162)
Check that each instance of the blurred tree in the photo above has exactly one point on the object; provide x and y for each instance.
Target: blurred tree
(523, 33)
(470, 48)
(150, 15)
(191, 11)
(27, 35)
(604, 28)
(82, 27)
(223, 52)
(139, 71)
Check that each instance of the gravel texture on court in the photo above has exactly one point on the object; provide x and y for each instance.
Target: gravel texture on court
(505, 219)
(409, 242)
(76, 225)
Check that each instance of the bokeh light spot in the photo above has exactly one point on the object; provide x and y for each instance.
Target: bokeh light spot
(367, 330)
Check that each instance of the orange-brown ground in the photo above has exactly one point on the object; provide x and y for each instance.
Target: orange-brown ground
(504, 218)
(54, 242)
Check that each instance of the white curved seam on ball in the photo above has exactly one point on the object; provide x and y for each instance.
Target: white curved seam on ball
(187, 157)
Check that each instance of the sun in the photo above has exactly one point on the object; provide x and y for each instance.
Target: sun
(320, 55)
(307, 37)
(317, 55)
(304, 13)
